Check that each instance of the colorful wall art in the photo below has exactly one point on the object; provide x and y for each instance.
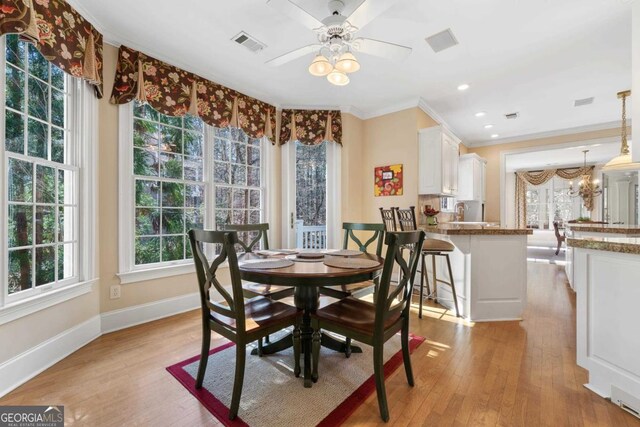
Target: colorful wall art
(387, 181)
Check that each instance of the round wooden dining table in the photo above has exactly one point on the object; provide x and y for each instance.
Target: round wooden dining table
(307, 277)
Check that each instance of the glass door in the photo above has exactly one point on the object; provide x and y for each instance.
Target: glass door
(311, 195)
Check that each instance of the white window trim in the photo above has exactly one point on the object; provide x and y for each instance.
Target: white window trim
(334, 194)
(128, 271)
(84, 110)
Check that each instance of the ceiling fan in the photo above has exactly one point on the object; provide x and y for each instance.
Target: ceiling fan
(336, 39)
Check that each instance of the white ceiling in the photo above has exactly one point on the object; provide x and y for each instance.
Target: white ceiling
(531, 56)
(599, 153)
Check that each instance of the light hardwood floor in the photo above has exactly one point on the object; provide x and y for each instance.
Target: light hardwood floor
(501, 373)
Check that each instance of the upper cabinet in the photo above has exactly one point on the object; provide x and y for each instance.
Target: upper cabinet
(472, 178)
(438, 161)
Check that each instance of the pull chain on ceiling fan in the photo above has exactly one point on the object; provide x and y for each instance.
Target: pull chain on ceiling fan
(336, 41)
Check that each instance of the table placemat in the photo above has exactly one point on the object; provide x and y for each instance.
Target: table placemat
(266, 264)
(275, 252)
(310, 255)
(296, 258)
(345, 252)
(342, 262)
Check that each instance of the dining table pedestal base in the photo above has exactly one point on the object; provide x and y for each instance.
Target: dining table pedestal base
(307, 299)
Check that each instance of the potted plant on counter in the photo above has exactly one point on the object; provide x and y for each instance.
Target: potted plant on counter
(430, 213)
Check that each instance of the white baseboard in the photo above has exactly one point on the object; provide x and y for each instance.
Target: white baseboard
(119, 319)
(21, 368)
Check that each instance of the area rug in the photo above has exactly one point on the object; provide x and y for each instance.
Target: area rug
(272, 396)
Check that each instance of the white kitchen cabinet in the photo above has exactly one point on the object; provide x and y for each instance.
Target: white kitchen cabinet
(471, 175)
(438, 161)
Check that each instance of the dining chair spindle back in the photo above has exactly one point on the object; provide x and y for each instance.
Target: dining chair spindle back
(232, 318)
(374, 324)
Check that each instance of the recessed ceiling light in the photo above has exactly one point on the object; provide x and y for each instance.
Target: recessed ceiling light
(488, 126)
(495, 135)
(463, 86)
(480, 114)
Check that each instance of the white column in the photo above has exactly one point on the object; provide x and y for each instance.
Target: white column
(635, 79)
(334, 194)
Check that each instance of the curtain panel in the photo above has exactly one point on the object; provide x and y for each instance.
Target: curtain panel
(311, 127)
(176, 92)
(60, 33)
(539, 178)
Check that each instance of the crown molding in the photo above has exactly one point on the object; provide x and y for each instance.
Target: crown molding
(431, 112)
(350, 109)
(393, 108)
(549, 134)
(117, 40)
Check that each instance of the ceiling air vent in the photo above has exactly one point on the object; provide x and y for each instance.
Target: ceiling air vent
(511, 116)
(249, 42)
(442, 40)
(584, 101)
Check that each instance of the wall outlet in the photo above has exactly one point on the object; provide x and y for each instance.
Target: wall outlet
(114, 292)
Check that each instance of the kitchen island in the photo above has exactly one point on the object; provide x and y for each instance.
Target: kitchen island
(590, 230)
(489, 266)
(606, 271)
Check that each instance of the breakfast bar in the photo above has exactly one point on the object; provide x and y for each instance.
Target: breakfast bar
(489, 266)
(593, 230)
(606, 271)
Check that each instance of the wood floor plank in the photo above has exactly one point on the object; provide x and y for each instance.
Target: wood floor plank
(485, 374)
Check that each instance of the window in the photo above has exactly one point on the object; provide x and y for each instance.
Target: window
(181, 174)
(551, 202)
(535, 207)
(311, 183)
(237, 177)
(168, 167)
(40, 164)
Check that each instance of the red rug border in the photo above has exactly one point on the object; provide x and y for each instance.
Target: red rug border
(334, 418)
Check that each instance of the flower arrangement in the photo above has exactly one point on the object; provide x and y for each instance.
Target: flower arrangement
(430, 213)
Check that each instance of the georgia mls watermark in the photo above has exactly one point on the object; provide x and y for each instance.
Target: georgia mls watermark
(32, 416)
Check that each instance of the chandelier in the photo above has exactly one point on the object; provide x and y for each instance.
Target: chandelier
(588, 189)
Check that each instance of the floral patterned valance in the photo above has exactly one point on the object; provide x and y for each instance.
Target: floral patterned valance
(60, 33)
(541, 177)
(311, 127)
(175, 92)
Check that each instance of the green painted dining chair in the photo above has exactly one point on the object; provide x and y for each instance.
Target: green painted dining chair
(374, 324)
(259, 232)
(233, 318)
(374, 234)
(254, 235)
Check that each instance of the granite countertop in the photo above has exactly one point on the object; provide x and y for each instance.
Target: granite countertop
(475, 229)
(605, 228)
(624, 245)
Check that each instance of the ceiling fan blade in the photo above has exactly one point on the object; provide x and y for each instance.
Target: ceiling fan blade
(296, 12)
(392, 51)
(294, 54)
(368, 11)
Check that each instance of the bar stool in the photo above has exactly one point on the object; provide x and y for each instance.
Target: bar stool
(433, 248)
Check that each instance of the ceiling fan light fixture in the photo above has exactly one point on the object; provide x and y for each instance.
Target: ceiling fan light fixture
(320, 66)
(347, 63)
(338, 78)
